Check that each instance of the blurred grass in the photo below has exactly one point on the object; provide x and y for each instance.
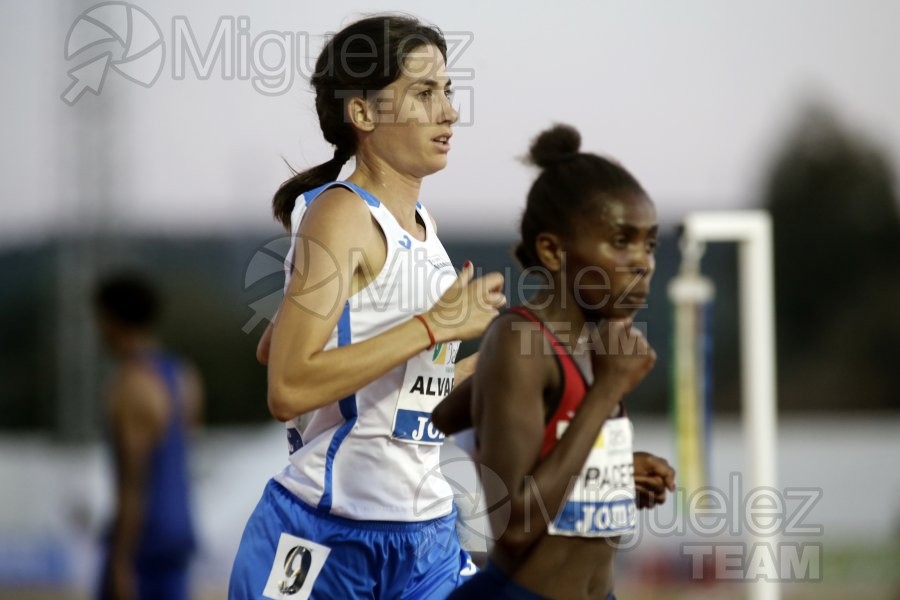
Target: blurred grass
(793, 591)
(808, 591)
(856, 571)
(861, 565)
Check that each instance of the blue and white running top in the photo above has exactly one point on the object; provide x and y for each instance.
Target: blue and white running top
(374, 455)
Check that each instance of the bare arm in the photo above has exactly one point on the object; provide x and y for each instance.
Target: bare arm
(194, 395)
(339, 248)
(509, 393)
(138, 411)
(652, 477)
(454, 413)
(265, 343)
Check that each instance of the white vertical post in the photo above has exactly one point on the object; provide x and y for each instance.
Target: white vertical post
(752, 230)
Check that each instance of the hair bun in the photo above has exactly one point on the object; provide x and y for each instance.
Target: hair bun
(555, 145)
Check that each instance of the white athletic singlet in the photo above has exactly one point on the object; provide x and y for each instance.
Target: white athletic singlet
(374, 455)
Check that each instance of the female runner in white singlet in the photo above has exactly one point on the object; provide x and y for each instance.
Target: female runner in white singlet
(365, 340)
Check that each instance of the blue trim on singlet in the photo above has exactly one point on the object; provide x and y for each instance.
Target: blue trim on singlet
(295, 439)
(364, 194)
(347, 406)
(348, 411)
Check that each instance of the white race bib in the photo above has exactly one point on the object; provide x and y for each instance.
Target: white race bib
(427, 381)
(602, 502)
(295, 568)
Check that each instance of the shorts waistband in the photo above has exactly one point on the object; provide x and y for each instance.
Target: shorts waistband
(494, 572)
(521, 592)
(388, 526)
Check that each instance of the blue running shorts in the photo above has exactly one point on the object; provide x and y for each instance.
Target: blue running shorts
(295, 551)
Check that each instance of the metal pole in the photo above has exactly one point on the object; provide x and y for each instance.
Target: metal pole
(752, 230)
(85, 157)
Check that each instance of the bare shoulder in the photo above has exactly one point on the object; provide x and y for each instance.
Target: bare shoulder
(138, 394)
(515, 361)
(339, 221)
(338, 208)
(512, 336)
(508, 400)
(512, 356)
(192, 391)
(190, 376)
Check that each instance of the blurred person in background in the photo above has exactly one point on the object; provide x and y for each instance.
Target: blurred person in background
(154, 398)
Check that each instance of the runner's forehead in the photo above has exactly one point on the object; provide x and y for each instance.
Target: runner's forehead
(629, 213)
(425, 62)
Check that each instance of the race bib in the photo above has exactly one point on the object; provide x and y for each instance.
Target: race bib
(296, 567)
(427, 381)
(602, 502)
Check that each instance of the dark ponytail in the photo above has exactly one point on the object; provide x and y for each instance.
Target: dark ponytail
(364, 57)
(571, 184)
(300, 183)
